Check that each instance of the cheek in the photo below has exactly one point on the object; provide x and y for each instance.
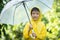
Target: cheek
(33, 15)
(37, 16)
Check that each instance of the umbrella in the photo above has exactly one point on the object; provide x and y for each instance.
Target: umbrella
(18, 11)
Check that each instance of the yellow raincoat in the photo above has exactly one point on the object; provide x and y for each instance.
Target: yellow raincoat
(38, 27)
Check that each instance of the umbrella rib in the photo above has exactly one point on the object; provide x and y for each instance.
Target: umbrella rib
(14, 5)
(44, 4)
(14, 12)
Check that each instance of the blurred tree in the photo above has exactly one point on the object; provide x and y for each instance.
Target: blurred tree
(2, 3)
(58, 34)
(58, 5)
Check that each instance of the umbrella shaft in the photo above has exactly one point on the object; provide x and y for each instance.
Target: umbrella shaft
(26, 11)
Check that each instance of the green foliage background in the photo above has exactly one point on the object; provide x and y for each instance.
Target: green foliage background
(51, 19)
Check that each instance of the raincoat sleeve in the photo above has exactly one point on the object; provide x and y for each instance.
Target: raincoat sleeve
(25, 31)
(42, 33)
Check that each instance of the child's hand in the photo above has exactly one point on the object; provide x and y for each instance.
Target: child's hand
(30, 27)
(33, 34)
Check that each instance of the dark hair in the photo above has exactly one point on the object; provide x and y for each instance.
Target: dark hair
(35, 9)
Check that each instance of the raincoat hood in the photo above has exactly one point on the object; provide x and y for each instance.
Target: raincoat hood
(40, 17)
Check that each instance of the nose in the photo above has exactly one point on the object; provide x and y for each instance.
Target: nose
(35, 14)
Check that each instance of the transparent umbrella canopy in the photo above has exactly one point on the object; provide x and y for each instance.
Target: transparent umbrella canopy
(18, 11)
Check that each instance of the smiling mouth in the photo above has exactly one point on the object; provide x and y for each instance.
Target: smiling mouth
(34, 17)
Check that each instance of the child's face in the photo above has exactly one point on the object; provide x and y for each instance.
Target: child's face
(35, 15)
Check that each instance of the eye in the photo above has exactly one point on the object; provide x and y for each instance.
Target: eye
(37, 13)
(33, 13)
